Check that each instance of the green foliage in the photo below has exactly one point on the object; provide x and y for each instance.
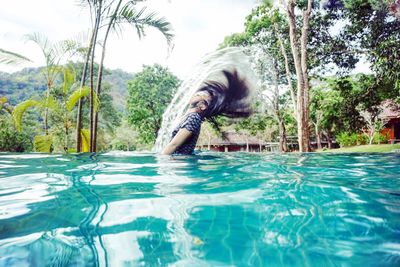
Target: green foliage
(366, 149)
(12, 140)
(346, 139)
(19, 111)
(371, 31)
(118, 91)
(150, 92)
(125, 138)
(43, 143)
(362, 139)
(69, 79)
(380, 138)
(78, 94)
(235, 39)
(110, 117)
(254, 124)
(29, 83)
(19, 86)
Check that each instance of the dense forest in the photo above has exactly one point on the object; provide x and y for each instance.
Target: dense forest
(30, 82)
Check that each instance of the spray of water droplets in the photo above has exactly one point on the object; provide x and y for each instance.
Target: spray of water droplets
(209, 69)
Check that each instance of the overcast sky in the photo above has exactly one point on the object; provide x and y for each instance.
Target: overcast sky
(199, 26)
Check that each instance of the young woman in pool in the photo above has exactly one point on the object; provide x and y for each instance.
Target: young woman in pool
(212, 99)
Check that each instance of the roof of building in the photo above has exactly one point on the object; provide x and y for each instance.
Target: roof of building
(390, 110)
(234, 138)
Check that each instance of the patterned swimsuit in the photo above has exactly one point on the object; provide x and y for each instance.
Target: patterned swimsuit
(192, 123)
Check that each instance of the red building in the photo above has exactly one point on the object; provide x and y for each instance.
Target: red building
(391, 115)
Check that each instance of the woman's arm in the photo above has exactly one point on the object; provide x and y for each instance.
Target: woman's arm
(180, 138)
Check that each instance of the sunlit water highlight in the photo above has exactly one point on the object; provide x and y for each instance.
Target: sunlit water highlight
(239, 209)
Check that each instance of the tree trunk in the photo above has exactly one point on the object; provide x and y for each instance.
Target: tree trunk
(371, 135)
(66, 139)
(66, 127)
(300, 62)
(277, 113)
(81, 100)
(100, 77)
(46, 112)
(91, 99)
(318, 136)
(328, 139)
(287, 70)
(282, 137)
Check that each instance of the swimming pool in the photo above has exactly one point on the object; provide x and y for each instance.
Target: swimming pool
(227, 209)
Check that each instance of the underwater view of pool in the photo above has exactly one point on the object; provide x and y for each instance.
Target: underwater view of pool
(212, 209)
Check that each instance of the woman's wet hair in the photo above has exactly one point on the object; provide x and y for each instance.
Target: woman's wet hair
(229, 100)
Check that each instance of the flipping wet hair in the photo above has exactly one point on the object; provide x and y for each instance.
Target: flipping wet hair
(229, 100)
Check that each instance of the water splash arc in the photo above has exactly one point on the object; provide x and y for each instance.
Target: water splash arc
(209, 68)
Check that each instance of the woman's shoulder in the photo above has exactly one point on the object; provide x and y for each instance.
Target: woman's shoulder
(194, 115)
(193, 120)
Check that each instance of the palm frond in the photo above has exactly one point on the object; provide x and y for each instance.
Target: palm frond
(62, 49)
(80, 42)
(85, 134)
(69, 78)
(41, 40)
(8, 57)
(53, 53)
(140, 20)
(50, 103)
(19, 111)
(42, 143)
(78, 94)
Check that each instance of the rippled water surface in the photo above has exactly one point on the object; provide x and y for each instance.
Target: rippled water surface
(131, 209)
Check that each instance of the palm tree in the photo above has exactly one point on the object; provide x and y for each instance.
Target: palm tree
(113, 14)
(96, 11)
(70, 97)
(53, 54)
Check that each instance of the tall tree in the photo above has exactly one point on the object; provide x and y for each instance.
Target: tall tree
(370, 36)
(96, 10)
(150, 92)
(118, 15)
(300, 57)
(111, 15)
(265, 25)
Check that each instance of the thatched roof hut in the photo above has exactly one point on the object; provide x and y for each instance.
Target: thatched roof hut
(236, 142)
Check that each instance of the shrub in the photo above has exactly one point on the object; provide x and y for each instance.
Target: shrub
(11, 140)
(362, 139)
(380, 138)
(347, 139)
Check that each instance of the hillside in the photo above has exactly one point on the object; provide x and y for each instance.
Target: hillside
(30, 82)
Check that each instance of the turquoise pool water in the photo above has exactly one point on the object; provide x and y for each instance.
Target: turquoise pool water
(239, 209)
